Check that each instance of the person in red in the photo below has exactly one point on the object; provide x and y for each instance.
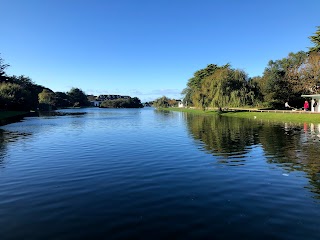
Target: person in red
(306, 105)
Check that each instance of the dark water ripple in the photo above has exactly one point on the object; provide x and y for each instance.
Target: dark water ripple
(138, 174)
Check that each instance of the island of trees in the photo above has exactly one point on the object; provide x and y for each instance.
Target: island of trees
(283, 80)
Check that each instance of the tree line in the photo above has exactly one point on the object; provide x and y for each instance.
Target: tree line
(164, 102)
(283, 80)
(21, 93)
(122, 103)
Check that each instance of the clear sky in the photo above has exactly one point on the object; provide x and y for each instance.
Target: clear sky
(147, 48)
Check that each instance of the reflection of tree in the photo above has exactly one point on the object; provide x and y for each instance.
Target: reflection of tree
(165, 115)
(7, 138)
(221, 135)
(290, 147)
(294, 149)
(280, 142)
(2, 147)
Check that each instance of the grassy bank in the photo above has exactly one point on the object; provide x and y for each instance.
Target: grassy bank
(277, 117)
(9, 114)
(269, 116)
(189, 110)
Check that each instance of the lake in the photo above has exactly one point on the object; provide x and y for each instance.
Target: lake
(148, 174)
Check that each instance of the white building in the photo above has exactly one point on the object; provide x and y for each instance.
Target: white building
(96, 103)
(315, 98)
(180, 104)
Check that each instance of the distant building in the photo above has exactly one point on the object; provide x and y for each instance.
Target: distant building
(125, 97)
(109, 97)
(180, 103)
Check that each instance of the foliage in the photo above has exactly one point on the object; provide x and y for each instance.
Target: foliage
(187, 93)
(315, 39)
(61, 100)
(46, 100)
(27, 84)
(14, 97)
(310, 73)
(46, 96)
(288, 78)
(165, 102)
(220, 86)
(3, 66)
(282, 80)
(78, 98)
(122, 103)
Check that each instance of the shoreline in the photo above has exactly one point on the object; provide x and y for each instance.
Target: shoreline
(259, 115)
(7, 117)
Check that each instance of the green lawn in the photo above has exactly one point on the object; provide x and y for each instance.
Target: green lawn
(8, 114)
(277, 117)
(270, 116)
(189, 110)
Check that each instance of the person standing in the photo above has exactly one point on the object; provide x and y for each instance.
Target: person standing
(306, 105)
(315, 104)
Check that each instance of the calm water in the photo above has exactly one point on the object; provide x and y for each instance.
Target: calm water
(146, 174)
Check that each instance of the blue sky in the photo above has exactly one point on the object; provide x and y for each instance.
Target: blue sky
(147, 48)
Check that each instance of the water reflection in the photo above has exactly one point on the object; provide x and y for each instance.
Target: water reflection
(164, 114)
(223, 136)
(7, 137)
(138, 174)
(289, 146)
(60, 113)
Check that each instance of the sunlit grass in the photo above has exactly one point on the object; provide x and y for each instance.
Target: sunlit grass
(277, 117)
(295, 117)
(191, 110)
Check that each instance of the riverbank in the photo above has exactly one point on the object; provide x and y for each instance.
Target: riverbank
(280, 116)
(11, 116)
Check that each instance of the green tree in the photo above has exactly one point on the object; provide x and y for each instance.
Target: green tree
(192, 93)
(187, 99)
(122, 103)
(78, 98)
(283, 80)
(310, 73)
(46, 100)
(61, 100)
(220, 86)
(3, 66)
(135, 103)
(162, 102)
(46, 96)
(14, 97)
(27, 84)
(315, 39)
